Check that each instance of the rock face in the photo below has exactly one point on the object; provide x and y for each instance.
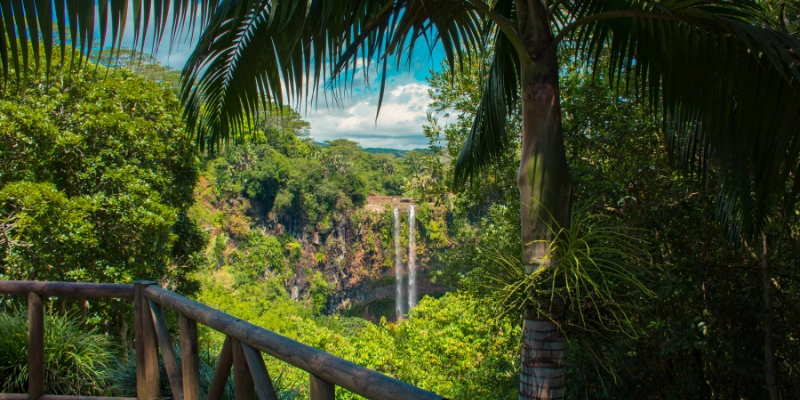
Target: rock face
(372, 291)
(356, 254)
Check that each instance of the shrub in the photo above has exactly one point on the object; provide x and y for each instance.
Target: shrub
(76, 359)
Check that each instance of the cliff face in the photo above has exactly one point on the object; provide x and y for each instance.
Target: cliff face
(354, 251)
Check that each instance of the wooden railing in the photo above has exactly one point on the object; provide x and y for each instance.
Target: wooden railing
(242, 349)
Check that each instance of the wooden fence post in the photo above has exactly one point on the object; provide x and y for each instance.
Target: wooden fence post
(35, 346)
(190, 358)
(148, 381)
(243, 385)
(321, 389)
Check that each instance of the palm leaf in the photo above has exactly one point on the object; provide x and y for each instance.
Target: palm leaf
(262, 53)
(488, 138)
(70, 25)
(727, 89)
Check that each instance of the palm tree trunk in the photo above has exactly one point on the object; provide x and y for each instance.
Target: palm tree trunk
(769, 351)
(544, 186)
(543, 360)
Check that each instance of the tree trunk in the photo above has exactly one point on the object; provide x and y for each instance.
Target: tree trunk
(769, 351)
(543, 359)
(544, 186)
(544, 182)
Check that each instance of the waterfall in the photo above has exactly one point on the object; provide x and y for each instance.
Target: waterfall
(412, 259)
(398, 267)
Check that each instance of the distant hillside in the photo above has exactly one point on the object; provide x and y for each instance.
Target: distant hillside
(375, 150)
(380, 150)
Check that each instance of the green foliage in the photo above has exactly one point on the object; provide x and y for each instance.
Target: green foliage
(744, 134)
(467, 354)
(587, 268)
(260, 257)
(432, 227)
(289, 178)
(465, 351)
(148, 67)
(459, 93)
(219, 248)
(451, 346)
(264, 303)
(437, 233)
(76, 360)
(293, 247)
(703, 332)
(319, 289)
(96, 177)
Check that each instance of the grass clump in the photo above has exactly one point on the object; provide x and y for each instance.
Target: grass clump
(75, 359)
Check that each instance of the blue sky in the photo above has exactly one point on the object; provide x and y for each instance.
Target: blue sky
(403, 111)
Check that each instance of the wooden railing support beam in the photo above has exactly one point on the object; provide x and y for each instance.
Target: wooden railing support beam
(243, 385)
(190, 358)
(223, 371)
(167, 352)
(258, 370)
(35, 346)
(148, 381)
(321, 389)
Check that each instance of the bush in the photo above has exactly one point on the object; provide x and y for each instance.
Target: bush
(75, 359)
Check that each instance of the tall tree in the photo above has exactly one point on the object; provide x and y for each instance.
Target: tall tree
(724, 80)
(92, 153)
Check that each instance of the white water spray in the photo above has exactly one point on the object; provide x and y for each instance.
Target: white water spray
(412, 259)
(398, 267)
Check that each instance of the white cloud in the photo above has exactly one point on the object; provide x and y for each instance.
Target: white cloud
(399, 125)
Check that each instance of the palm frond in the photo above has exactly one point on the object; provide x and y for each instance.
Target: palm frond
(488, 137)
(265, 52)
(726, 84)
(68, 25)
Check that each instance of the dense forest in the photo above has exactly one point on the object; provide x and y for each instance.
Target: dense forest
(100, 182)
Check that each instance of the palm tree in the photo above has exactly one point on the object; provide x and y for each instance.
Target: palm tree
(721, 73)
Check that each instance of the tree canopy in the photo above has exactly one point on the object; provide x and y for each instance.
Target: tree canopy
(96, 176)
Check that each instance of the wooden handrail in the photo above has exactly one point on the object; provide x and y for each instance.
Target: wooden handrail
(242, 349)
(68, 289)
(340, 372)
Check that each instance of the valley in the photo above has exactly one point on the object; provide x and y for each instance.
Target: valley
(337, 244)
